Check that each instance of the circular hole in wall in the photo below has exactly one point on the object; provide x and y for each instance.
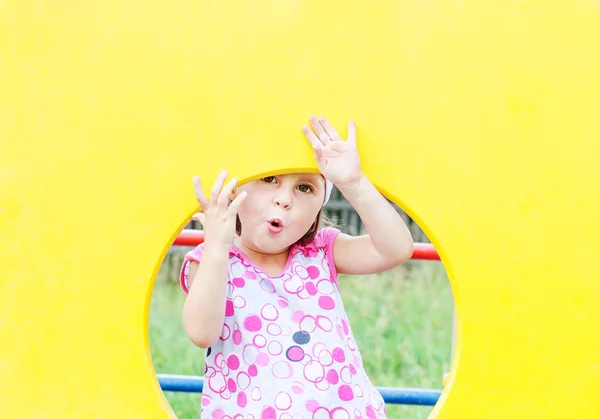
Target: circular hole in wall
(401, 322)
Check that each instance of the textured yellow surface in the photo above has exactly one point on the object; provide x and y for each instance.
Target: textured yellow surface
(480, 118)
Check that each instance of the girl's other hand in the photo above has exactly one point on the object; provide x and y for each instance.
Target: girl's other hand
(337, 160)
(218, 219)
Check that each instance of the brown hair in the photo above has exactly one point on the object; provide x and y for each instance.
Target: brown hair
(304, 240)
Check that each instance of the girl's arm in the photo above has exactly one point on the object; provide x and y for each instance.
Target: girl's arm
(204, 307)
(388, 242)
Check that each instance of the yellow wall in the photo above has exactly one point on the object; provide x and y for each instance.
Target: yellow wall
(480, 118)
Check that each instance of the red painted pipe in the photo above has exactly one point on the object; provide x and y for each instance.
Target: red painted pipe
(189, 238)
(422, 251)
(425, 251)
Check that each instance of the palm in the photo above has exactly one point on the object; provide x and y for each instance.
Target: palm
(336, 159)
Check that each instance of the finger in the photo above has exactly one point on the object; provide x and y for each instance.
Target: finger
(199, 216)
(199, 192)
(314, 142)
(223, 199)
(216, 189)
(311, 137)
(235, 204)
(321, 133)
(319, 153)
(352, 132)
(329, 130)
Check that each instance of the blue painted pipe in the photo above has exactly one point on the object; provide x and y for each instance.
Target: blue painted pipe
(391, 395)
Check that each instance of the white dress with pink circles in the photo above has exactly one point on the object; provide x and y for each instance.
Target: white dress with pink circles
(287, 350)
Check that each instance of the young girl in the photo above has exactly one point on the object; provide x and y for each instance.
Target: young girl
(263, 293)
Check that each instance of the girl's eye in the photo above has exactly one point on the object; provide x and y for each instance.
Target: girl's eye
(268, 179)
(305, 188)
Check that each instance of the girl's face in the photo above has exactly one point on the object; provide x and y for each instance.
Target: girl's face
(279, 210)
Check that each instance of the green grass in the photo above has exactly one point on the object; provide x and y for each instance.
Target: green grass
(402, 321)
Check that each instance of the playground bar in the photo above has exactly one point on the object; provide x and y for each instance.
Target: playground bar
(408, 396)
(188, 237)
(391, 395)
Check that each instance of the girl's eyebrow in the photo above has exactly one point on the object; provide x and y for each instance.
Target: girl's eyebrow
(309, 180)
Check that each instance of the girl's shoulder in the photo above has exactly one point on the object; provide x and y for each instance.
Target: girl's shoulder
(324, 239)
(326, 236)
(322, 248)
(194, 255)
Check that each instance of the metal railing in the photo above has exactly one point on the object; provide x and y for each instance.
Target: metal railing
(188, 237)
(391, 395)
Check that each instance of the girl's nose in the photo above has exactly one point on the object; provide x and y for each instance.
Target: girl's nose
(283, 200)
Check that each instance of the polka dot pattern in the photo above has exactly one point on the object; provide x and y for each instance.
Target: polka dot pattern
(286, 350)
(295, 354)
(252, 323)
(301, 337)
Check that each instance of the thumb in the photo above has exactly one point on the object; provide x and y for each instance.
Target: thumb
(352, 132)
(199, 216)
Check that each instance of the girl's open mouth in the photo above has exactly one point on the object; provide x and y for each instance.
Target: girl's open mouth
(275, 225)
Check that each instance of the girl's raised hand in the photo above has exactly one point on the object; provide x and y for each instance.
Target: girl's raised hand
(337, 159)
(219, 217)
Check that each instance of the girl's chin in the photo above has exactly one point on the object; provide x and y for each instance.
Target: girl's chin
(270, 243)
(276, 243)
